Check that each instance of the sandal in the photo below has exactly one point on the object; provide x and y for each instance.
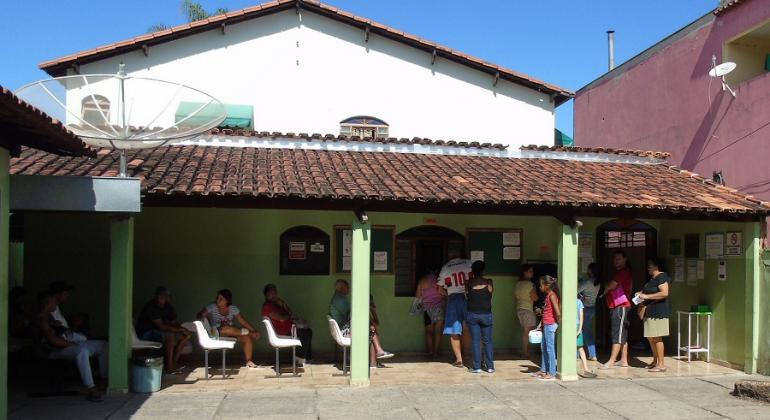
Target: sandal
(657, 369)
(605, 366)
(458, 364)
(251, 365)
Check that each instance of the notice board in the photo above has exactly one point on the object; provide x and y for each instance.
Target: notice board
(382, 249)
(502, 249)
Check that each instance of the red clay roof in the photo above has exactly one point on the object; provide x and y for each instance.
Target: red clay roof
(21, 124)
(214, 176)
(606, 150)
(58, 66)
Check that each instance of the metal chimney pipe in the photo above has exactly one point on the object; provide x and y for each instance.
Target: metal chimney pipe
(611, 49)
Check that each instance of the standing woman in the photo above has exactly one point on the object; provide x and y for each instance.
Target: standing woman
(551, 319)
(221, 315)
(479, 317)
(433, 302)
(655, 312)
(588, 290)
(526, 296)
(618, 295)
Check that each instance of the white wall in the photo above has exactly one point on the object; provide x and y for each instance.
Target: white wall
(306, 73)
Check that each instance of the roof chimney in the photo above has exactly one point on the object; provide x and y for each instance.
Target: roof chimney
(611, 49)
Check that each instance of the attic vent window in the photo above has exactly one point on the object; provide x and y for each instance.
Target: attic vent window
(364, 127)
(95, 110)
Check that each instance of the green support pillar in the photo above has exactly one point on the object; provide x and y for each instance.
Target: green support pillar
(566, 338)
(4, 220)
(752, 241)
(121, 293)
(359, 322)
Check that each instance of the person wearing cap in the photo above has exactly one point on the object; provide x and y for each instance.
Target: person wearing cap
(61, 294)
(283, 321)
(158, 322)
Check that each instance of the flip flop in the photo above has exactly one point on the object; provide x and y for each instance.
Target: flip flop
(657, 369)
(458, 364)
(587, 375)
(604, 366)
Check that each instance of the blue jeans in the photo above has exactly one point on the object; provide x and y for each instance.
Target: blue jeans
(81, 354)
(548, 349)
(481, 332)
(588, 330)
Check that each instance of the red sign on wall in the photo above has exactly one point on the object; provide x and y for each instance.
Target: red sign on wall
(297, 251)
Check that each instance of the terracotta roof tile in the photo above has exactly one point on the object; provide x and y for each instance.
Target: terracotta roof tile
(57, 66)
(21, 124)
(198, 171)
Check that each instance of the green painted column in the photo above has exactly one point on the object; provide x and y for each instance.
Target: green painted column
(566, 337)
(4, 221)
(121, 292)
(359, 307)
(753, 246)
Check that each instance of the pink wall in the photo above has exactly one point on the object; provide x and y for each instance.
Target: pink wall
(663, 104)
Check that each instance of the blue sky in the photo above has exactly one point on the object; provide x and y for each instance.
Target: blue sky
(560, 41)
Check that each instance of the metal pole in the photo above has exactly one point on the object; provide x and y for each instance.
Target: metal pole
(121, 78)
(611, 49)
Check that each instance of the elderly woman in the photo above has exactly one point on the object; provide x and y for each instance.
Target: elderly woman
(655, 311)
(221, 315)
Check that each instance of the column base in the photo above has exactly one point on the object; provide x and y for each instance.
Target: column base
(357, 383)
(567, 378)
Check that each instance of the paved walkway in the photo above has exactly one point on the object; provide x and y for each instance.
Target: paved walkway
(706, 397)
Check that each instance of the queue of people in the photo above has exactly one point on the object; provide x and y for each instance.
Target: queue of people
(464, 296)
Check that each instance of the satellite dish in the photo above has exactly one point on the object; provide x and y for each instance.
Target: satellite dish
(720, 71)
(125, 112)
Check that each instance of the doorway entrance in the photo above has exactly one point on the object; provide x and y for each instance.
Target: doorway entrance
(639, 241)
(422, 249)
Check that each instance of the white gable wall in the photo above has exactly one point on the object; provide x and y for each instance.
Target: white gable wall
(306, 73)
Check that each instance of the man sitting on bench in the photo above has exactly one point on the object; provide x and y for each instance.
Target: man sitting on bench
(59, 345)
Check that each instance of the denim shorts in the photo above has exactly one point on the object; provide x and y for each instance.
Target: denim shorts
(454, 315)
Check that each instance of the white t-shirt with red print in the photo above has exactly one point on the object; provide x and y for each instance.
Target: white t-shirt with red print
(454, 274)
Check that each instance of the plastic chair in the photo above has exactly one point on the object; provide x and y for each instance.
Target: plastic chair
(208, 343)
(137, 344)
(279, 342)
(341, 340)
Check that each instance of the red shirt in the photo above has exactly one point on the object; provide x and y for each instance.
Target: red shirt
(281, 327)
(549, 317)
(625, 280)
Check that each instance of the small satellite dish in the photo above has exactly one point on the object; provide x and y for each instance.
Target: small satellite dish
(123, 112)
(720, 71)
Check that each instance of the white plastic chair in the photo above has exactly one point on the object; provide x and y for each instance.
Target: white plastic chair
(208, 343)
(341, 340)
(137, 344)
(279, 342)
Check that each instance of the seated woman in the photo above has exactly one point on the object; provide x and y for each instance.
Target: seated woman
(57, 342)
(281, 317)
(221, 315)
(375, 349)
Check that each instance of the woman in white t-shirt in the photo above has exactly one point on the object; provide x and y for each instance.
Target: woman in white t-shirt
(221, 315)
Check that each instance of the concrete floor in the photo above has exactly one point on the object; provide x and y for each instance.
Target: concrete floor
(420, 389)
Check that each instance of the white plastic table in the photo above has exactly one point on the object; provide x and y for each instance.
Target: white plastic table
(691, 347)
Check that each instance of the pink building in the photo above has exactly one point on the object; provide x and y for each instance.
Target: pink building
(663, 99)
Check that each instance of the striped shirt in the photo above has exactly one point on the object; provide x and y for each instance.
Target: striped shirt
(218, 320)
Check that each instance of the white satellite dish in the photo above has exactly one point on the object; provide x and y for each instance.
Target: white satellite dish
(124, 112)
(721, 70)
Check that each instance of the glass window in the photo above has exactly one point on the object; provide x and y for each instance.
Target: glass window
(95, 110)
(364, 127)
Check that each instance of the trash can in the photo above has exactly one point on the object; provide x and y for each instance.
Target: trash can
(146, 373)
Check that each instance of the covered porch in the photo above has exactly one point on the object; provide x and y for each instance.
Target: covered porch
(195, 242)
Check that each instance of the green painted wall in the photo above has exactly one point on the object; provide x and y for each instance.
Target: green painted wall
(764, 316)
(4, 222)
(197, 251)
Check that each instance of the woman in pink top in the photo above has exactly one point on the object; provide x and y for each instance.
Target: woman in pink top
(434, 303)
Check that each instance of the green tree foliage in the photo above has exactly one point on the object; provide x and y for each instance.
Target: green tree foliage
(193, 11)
